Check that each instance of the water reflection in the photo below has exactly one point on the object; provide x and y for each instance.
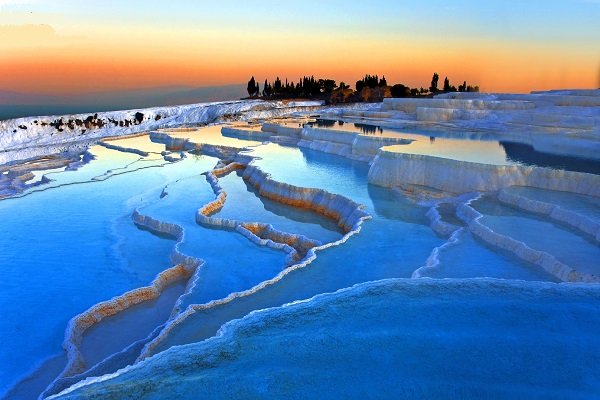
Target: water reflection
(526, 154)
(473, 149)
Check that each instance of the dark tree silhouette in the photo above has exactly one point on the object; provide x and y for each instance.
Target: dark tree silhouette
(251, 87)
(434, 83)
(360, 85)
(400, 90)
(371, 81)
(277, 86)
(327, 85)
(446, 84)
(324, 88)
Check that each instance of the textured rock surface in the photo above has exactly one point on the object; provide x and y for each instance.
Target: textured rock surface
(54, 130)
(392, 168)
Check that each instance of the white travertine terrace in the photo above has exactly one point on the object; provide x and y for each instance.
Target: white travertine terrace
(182, 144)
(245, 133)
(561, 122)
(149, 348)
(191, 363)
(111, 146)
(540, 258)
(38, 131)
(348, 144)
(555, 212)
(412, 105)
(300, 249)
(442, 228)
(265, 235)
(344, 211)
(434, 258)
(184, 268)
(546, 121)
(168, 229)
(281, 130)
(348, 214)
(296, 246)
(16, 179)
(438, 225)
(391, 168)
(113, 362)
(262, 135)
(80, 323)
(440, 110)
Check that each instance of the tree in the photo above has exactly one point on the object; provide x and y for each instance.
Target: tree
(267, 89)
(434, 83)
(446, 84)
(400, 90)
(327, 85)
(360, 85)
(371, 81)
(383, 82)
(277, 86)
(251, 87)
(343, 86)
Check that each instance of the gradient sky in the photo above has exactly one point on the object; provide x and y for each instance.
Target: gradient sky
(63, 47)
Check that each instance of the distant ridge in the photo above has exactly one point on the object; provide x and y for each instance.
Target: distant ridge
(15, 104)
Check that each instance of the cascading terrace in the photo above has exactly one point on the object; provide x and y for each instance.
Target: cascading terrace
(282, 210)
(300, 250)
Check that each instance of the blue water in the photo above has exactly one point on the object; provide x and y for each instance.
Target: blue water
(394, 243)
(474, 339)
(466, 146)
(244, 204)
(230, 257)
(585, 205)
(115, 333)
(65, 249)
(71, 243)
(469, 258)
(577, 251)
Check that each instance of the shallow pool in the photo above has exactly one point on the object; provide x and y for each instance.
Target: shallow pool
(475, 146)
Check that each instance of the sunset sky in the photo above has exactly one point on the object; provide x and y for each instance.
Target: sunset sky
(63, 47)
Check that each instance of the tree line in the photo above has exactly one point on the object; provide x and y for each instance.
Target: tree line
(307, 86)
(400, 90)
(323, 88)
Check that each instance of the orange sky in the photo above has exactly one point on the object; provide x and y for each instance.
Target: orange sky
(45, 52)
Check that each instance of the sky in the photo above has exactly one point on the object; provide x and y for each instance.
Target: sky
(72, 47)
